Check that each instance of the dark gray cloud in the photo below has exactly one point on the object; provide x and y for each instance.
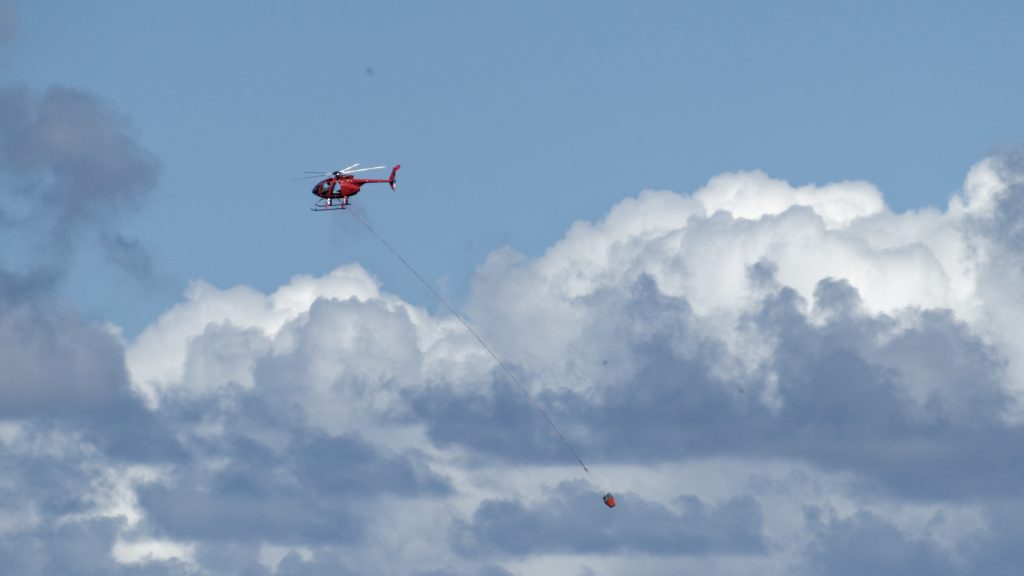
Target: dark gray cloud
(350, 465)
(308, 491)
(670, 404)
(250, 504)
(239, 559)
(571, 520)
(915, 410)
(80, 155)
(60, 372)
(52, 363)
(70, 164)
(128, 254)
(997, 550)
(56, 367)
(65, 390)
(487, 570)
(55, 481)
(868, 544)
(847, 403)
(495, 422)
(17, 289)
(76, 549)
(50, 488)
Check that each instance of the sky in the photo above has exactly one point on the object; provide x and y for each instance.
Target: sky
(761, 264)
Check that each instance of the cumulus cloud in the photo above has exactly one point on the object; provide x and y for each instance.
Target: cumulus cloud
(160, 356)
(775, 379)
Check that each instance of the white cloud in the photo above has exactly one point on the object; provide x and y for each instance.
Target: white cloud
(701, 249)
(753, 346)
(146, 551)
(158, 358)
(753, 195)
(986, 183)
(698, 247)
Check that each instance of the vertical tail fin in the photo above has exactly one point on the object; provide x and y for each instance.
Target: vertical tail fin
(391, 180)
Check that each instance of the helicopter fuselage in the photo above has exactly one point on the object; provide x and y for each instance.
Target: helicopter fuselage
(338, 187)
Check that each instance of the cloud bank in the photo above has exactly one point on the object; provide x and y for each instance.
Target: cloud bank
(774, 379)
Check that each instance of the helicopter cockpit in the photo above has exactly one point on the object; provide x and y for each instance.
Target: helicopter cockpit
(324, 187)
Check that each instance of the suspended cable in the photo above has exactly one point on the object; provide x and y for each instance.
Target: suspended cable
(498, 360)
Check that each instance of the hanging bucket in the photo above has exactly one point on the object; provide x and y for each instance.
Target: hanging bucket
(609, 500)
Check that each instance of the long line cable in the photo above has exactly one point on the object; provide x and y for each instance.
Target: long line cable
(469, 328)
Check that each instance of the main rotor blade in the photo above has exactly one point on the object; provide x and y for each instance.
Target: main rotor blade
(311, 176)
(362, 169)
(349, 168)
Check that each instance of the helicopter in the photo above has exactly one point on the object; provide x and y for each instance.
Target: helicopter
(340, 185)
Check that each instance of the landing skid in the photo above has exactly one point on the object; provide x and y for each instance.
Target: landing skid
(322, 206)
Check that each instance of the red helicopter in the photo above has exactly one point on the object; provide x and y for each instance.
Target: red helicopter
(340, 185)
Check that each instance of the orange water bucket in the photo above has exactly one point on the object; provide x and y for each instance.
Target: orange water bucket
(609, 500)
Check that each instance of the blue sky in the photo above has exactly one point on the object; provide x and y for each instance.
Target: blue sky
(761, 262)
(511, 120)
